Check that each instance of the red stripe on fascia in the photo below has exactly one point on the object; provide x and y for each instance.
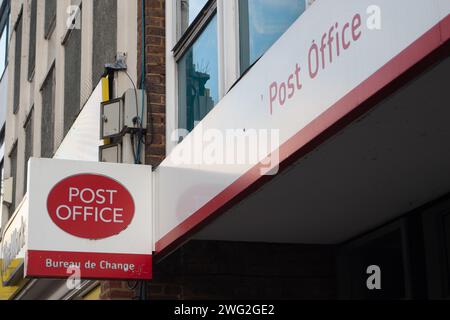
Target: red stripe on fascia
(36, 265)
(445, 28)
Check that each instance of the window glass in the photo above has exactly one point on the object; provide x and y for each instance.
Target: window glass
(48, 116)
(50, 15)
(189, 10)
(198, 78)
(72, 75)
(32, 40)
(17, 65)
(3, 49)
(262, 22)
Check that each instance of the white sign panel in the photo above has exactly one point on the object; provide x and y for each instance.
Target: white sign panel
(333, 58)
(92, 217)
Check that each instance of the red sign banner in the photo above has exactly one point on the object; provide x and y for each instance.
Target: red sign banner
(88, 220)
(53, 264)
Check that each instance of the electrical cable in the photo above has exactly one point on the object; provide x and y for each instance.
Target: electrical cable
(137, 143)
(135, 96)
(140, 286)
(133, 148)
(143, 64)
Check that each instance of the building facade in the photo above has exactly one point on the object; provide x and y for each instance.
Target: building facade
(4, 27)
(4, 42)
(359, 189)
(298, 147)
(56, 61)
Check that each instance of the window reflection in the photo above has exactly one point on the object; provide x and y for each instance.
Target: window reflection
(262, 22)
(3, 49)
(189, 10)
(198, 78)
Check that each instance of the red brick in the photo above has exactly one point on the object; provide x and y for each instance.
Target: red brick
(155, 50)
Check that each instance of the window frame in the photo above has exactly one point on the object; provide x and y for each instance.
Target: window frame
(195, 29)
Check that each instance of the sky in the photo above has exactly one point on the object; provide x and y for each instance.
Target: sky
(269, 19)
(195, 6)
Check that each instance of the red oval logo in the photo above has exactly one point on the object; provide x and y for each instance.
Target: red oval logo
(91, 206)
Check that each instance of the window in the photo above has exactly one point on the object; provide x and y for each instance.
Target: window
(32, 50)
(50, 17)
(3, 49)
(198, 78)
(189, 10)
(197, 57)
(72, 75)
(4, 35)
(105, 36)
(13, 161)
(28, 146)
(17, 63)
(261, 23)
(48, 115)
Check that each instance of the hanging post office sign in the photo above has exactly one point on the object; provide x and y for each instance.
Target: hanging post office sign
(91, 218)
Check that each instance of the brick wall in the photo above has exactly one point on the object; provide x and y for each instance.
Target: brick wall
(233, 270)
(155, 50)
(211, 270)
(115, 290)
